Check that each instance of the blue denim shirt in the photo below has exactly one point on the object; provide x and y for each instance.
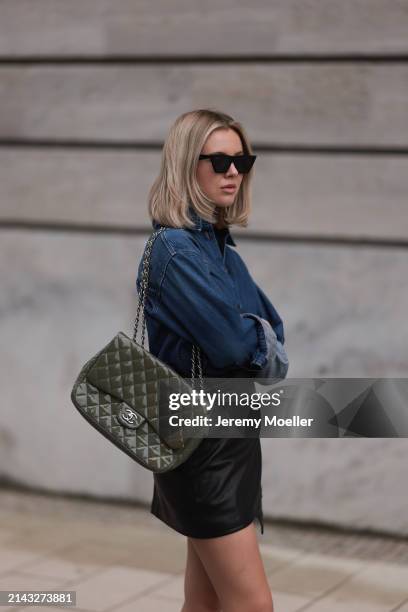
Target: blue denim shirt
(200, 295)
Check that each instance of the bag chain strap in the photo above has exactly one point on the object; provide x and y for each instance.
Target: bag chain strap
(196, 358)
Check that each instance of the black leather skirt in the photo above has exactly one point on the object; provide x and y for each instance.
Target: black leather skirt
(215, 492)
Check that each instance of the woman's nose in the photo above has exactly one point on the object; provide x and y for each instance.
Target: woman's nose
(232, 169)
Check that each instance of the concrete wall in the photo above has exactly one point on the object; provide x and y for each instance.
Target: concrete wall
(88, 91)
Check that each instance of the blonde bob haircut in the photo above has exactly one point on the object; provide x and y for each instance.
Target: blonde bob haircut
(176, 188)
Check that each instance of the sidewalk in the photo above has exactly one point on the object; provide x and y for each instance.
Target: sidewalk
(117, 556)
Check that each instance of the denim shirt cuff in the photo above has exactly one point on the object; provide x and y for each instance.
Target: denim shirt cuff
(277, 359)
(260, 356)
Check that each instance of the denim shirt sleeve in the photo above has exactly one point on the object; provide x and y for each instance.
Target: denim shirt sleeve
(208, 319)
(269, 312)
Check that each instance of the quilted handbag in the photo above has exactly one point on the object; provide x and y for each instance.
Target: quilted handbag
(123, 391)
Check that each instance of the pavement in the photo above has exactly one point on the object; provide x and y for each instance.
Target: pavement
(118, 557)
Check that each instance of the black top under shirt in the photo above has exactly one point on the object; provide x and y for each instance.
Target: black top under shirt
(220, 236)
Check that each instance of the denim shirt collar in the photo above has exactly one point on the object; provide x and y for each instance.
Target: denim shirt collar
(200, 225)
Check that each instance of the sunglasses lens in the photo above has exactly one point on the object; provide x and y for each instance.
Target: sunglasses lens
(244, 163)
(220, 163)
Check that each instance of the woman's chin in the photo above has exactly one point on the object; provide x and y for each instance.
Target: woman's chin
(226, 199)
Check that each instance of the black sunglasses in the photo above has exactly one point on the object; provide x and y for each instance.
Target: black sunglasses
(221, 162)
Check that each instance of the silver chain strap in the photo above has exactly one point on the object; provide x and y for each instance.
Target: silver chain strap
(196, 356)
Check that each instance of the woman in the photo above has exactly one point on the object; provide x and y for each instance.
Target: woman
(201, 293)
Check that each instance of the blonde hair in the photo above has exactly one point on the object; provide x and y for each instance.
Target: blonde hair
(176, 187)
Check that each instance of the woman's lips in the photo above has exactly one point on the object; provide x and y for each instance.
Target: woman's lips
(229, 189)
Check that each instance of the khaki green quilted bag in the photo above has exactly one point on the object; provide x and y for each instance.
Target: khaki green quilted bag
(123, 391)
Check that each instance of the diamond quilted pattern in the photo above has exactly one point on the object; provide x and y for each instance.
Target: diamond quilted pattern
(124, 371)
(129, 373)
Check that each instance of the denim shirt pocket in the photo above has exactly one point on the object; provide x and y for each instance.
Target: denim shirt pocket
(225, 283)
